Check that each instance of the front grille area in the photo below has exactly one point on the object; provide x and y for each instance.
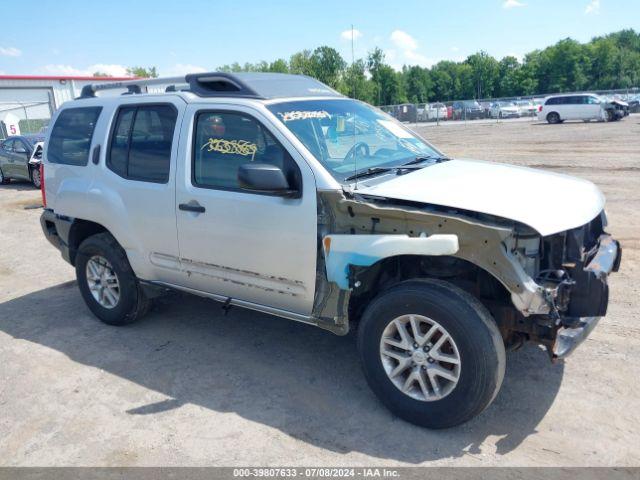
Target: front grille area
(563, 260)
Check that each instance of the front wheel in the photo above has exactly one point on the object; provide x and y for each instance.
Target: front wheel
(107, 283)
(3, 180)
(431, 353)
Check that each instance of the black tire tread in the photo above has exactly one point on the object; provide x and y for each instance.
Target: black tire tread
(141, 304)
(489, 387)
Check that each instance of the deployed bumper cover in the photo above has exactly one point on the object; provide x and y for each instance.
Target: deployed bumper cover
(592, 296)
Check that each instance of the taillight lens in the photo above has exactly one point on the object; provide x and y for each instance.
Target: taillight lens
(44, 195)
(539, 108)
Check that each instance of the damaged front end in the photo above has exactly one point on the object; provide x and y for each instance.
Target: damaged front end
(550, 290)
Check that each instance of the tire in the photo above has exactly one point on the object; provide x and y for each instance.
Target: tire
(3, 180)
(131, 304)
(35, 177)
(553, 118)
(476, 341)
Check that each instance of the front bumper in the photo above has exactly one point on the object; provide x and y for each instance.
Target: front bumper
(593, 295)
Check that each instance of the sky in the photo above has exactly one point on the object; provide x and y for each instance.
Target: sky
(80, 37)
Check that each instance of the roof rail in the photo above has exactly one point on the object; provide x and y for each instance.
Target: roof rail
(222, 84)
(133, 86)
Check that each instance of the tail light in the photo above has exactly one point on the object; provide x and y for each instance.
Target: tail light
(539, 108)
(44, 195)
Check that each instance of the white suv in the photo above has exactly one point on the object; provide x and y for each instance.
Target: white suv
(275, 193)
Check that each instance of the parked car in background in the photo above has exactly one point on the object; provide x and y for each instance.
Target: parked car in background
(467, 110)
(20, 157)
(486, 109)
(585, 107)
(634, 105)
(504, 109)
(431, 112)
(526, 108)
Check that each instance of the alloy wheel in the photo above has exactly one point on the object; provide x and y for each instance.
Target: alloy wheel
(103, 282)
(420, 357)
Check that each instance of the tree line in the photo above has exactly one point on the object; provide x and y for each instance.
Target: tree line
(606, 62)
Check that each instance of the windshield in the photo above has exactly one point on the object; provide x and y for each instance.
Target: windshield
(348, 137)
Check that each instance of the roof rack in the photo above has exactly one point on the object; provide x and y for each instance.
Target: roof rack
(222, 84)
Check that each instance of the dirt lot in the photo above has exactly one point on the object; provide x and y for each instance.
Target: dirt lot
(190, 386)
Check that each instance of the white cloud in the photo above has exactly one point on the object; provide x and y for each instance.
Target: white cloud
(182, 69)
(512, 4)
(10, 52)
(405, 51)
(403, 40)
(346, 35)
(455, 49)
(593, 7)
(112, 70)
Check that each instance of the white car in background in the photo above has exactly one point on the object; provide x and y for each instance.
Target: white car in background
(432, 112)
(526, 108)
(504, 110)
(583, 106)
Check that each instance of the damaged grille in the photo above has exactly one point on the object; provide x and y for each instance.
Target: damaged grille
(563, 259)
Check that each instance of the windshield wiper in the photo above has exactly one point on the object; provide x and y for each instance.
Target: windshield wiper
(368, 172)
(424, 158)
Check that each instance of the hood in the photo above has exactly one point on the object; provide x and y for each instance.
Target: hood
(547, 202)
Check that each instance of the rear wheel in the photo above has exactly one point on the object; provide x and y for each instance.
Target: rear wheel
(35, 177)
(431, 353)
(107, 283)
(553, 118)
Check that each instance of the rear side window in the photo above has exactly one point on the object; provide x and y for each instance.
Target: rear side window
(141, 140)
(71, 136)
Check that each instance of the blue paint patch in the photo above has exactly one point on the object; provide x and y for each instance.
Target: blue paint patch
(338, 266)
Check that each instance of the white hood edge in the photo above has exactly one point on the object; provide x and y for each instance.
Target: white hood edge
(547, 202)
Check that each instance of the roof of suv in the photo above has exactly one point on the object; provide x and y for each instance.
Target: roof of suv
(261, 86)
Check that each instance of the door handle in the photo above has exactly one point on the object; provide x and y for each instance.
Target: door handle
(96, 155)
(192, 207)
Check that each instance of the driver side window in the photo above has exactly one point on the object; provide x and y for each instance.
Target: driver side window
(224, 141)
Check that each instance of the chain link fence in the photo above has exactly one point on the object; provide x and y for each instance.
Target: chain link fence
(494, 109)
(23, 118)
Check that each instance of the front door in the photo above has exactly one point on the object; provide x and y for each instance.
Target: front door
(238, 244)
(21, 154)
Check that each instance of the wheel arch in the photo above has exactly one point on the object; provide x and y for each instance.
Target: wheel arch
(370, 281)
(79, 231)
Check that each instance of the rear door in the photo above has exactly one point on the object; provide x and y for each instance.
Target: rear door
(256, 248)
(133, 195)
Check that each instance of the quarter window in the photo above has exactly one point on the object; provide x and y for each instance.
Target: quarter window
(141, 141)
(71, 136)
(225, 141)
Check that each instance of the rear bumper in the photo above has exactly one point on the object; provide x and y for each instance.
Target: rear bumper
(593, 287)
(56, 229)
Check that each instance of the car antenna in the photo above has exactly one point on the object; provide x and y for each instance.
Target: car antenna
(353, 81)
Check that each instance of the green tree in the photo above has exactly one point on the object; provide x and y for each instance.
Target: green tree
(300, 63)
(142, 72)
(417, 84)
(355, 83)
(279, 66)
(484, 72)
(327, 65)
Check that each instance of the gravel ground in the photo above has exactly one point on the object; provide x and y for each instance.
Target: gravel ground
(190, 386)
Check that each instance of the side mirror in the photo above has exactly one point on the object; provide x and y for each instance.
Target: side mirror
(264, 178)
